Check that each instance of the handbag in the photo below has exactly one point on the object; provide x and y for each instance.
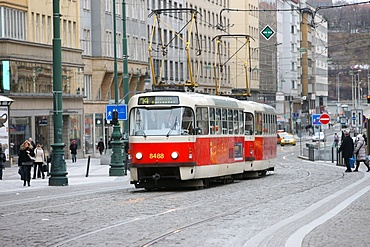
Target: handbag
(352, 162)
(44, 168)
(27, 163)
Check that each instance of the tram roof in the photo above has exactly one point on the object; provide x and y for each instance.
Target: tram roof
(209, 100)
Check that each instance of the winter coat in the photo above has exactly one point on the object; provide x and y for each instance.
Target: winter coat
(39, 155)
(73, 148)
(360, 149)
(101, 146)
(346, 147)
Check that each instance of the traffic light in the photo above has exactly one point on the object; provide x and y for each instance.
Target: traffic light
(368, 99)
(115, 117)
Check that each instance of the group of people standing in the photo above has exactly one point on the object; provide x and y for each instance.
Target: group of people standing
(30, 155)
(349, 149)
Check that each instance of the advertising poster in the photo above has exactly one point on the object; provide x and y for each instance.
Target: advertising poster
(4, 130)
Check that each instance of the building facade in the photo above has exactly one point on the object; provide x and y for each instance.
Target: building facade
(26, 45)
(87, 34)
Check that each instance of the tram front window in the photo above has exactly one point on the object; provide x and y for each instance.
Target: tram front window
(161, 121)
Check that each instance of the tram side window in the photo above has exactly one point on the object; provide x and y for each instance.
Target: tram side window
(212, 122)
(218, 121)
(265, 124)
(274, 130)
(224, 121)
(241, 122)
(236, 122)
(202, 120)
(187, 125)
(258, 123)
(248, 127)
(230, 121)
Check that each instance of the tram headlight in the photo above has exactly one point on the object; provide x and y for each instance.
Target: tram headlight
(174, 155)
(139, 156)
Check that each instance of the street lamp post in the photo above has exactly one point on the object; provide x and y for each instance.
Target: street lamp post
(351, 74)
(338, 91)
(357, 94)
(116, 165)
(58, 171)
(368, 83)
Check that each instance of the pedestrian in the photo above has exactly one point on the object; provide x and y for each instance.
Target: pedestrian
(110, 142)
(73, 149)
(25, 161)
(101, 146)
(39, 162)
(32, 143)
(360, 151)
(2, 161)
(336, 140)
(347, 149)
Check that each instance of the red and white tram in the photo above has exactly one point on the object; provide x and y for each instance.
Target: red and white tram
(190, 139)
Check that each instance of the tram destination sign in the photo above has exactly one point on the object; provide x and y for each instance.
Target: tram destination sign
(158, 100)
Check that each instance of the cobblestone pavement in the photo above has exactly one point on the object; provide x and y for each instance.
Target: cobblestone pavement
(302, 203)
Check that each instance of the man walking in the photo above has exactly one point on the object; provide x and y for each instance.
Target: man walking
(347, 149)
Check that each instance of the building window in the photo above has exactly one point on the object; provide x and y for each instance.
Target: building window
(89, 147)
(86, 4)
(12, 24)
(75, 129)
(108, 6)
(87, 87)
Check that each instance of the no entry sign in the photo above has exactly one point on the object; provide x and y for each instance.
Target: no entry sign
(324, 118)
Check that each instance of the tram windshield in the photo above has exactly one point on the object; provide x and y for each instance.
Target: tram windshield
(161, 121)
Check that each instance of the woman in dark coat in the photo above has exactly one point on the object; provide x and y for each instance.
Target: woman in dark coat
(25, 161)
(73, 149)
(347, 149)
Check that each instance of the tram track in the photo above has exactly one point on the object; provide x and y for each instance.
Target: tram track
(178, 230)
(143, 208)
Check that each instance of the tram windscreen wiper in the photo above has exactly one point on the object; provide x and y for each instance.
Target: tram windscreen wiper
(142, 130)
(173, 127)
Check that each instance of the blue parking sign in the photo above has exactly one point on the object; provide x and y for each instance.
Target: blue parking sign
(121, 109)
(316, 119)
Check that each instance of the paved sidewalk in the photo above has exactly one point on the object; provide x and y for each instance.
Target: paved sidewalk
(76, 175)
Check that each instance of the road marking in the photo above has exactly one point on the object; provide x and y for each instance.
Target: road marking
(265, 236)
(296, 238)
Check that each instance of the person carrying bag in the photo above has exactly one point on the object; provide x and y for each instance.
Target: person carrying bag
(347, 149)
(2, 161)
(360, 151)
(39, 162)
(25, 161)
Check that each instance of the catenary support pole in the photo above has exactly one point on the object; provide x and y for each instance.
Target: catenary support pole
(58, 172)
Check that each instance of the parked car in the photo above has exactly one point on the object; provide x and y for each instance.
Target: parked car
(319, 136)
(280, 136)
(288, 140)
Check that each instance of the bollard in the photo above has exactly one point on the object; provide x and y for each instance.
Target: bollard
(332, 154)
(88, 166)
(48, 161)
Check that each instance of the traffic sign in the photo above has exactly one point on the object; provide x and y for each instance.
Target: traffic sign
(121, 109)
(316, 119)
(267, 32)
(324, 118)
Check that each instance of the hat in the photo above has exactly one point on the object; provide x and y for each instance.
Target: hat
(346, 132)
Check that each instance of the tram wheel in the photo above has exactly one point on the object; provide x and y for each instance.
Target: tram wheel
(263, 173)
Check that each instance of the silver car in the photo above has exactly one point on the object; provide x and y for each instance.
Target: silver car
(319, 136)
